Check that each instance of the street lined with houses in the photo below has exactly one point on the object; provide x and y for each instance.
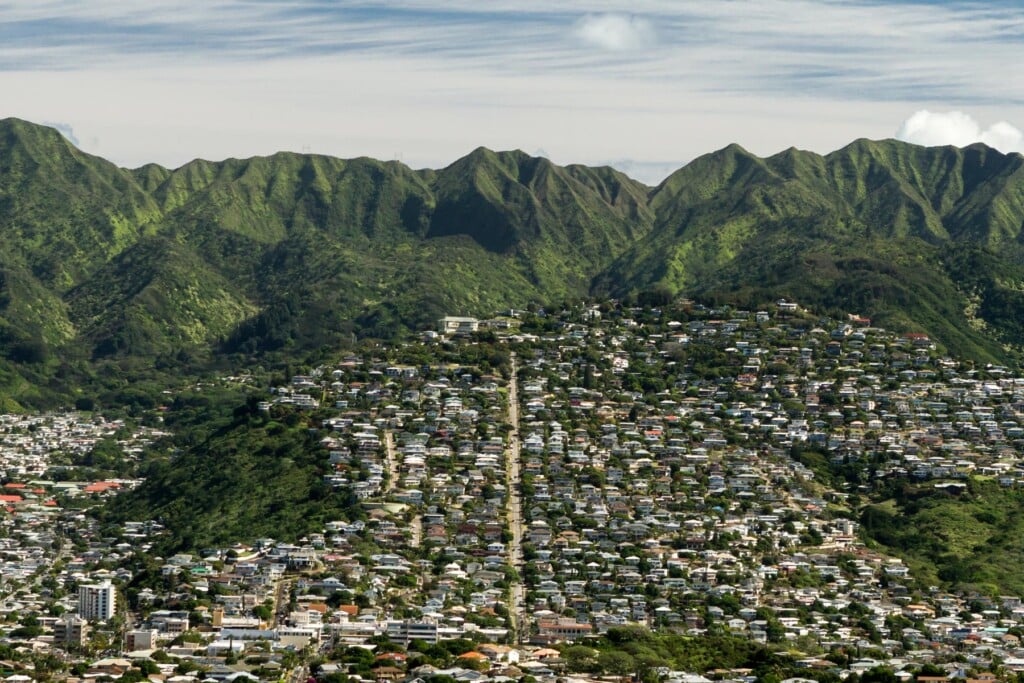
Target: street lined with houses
(518, 615)
(536, 482)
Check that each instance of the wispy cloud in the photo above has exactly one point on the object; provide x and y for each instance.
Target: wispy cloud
(65, 129)
(959, 129)
(648, 172)
(864, 48)
(616, 32)
(587, 80)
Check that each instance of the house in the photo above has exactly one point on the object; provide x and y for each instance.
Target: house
(457, 326)
(560, 630)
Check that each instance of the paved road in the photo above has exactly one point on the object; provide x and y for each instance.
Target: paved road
(417, 531)
(282, 596)
(517, 607)
(390, 461)
(299, 674)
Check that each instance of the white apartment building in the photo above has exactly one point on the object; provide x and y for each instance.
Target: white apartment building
(96, 602)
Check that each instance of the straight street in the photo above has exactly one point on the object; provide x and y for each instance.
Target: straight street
(390, 461)
(517, 592)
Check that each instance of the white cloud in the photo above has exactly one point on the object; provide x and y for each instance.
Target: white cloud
(615, 32)
(1004, 137)
(65, 129)
(172, 114)
(169, 80)
(647, 172)
(959, 129)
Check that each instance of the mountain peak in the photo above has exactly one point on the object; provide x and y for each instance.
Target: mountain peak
(14, 123)
(485, 155)
(734, 148)
(30, 136)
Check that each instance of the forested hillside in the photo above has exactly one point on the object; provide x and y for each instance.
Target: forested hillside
(292, 253)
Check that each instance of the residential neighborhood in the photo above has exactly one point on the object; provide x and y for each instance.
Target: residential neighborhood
(608, 468)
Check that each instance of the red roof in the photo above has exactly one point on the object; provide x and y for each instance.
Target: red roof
(393, 656)
(11, 499)
(101, 486)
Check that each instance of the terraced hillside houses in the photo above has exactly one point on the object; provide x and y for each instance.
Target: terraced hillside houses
(541, 484)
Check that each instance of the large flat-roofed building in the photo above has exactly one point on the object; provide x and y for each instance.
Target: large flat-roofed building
(97, 602)
(71, 632)
(451, 325)
(406, 631)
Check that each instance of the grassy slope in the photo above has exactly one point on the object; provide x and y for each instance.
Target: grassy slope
(973, 540)
(291, 250)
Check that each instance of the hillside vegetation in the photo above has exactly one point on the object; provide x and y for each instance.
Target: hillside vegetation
(971, 539)
(238, 475)
(291, 253)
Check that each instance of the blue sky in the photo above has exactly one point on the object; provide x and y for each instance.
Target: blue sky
(645, 85)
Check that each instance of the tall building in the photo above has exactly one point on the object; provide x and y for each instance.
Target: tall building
(96, 602)
(71, 632)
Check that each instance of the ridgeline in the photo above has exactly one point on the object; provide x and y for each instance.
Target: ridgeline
(291, 253)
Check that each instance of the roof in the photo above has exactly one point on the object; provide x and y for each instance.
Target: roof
(101, 486)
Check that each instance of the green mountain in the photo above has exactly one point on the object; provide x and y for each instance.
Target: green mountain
(295, 252)
(913, 237)
(288, 252)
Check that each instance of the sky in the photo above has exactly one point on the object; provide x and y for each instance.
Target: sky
(645, 85)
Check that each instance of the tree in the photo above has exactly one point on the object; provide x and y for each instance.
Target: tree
(263, 612)
(930, 669)
(580, 659)
(879, 674)
(616, 662)
(148, 667)
(185, 667)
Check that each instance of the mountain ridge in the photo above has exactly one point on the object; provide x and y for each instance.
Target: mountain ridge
(294, 251)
